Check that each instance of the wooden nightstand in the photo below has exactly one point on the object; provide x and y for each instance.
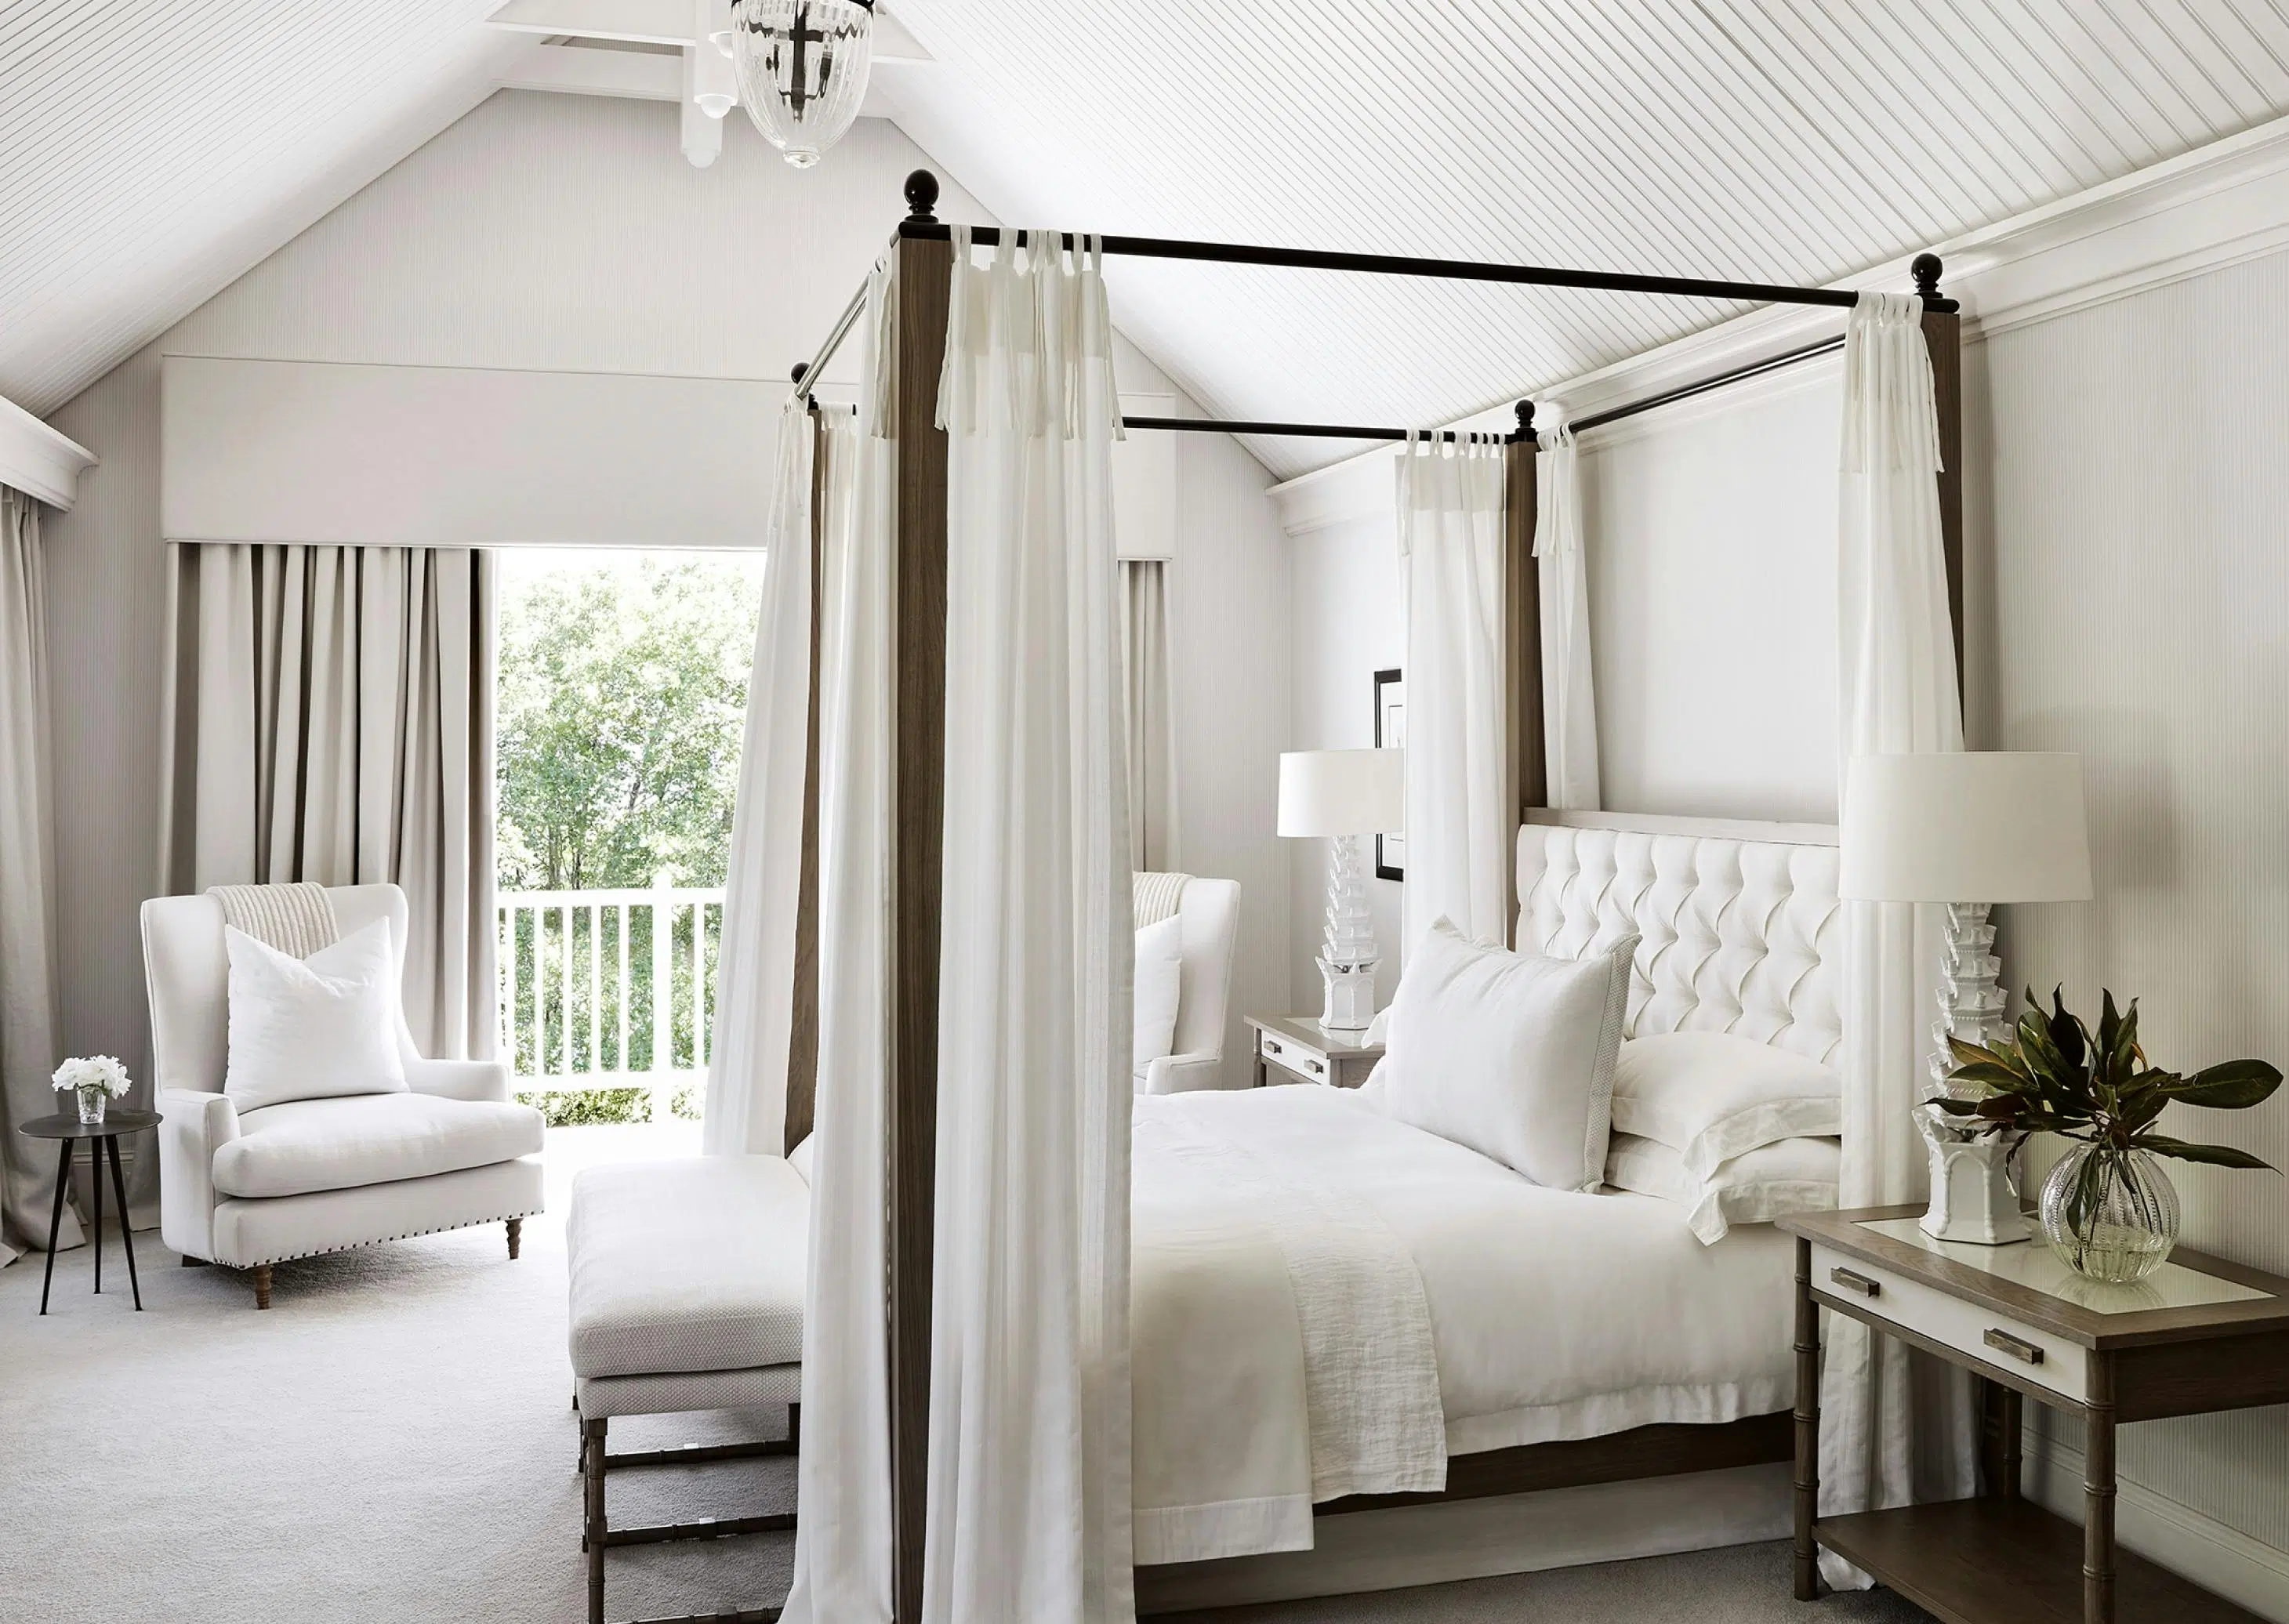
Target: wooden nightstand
(1307, 1053)
(2199, 1336)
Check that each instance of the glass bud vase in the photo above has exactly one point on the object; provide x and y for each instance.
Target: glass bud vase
(2109, 1213)
(91, 1101)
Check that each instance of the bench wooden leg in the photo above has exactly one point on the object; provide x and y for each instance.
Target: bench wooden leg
(262, 1285)
(592, 1444)
(515, 1236)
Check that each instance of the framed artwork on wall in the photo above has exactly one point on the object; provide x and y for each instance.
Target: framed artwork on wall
(1389, 734)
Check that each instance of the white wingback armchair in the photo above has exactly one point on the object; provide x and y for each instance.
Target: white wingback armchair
(307, 1176)
(1210, 911)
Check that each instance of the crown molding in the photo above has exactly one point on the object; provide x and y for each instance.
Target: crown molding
(2203, 210)
(38, 460)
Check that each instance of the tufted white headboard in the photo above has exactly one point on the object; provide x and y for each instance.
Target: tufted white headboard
(1742, 929)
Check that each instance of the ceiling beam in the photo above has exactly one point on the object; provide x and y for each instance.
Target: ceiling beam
(583, 71)
(663, 22)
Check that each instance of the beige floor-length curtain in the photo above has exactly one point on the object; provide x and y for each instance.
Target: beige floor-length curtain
(330, 717)
(30, 1024)
(1148, 683)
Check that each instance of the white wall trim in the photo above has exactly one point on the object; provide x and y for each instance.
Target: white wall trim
(2203, 210)
(2246, 1572)
(38, 460)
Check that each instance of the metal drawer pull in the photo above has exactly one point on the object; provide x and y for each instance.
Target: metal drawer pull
(2003, 1341)
(1852, 1282)
(1272, 1047)
(1315, 1065)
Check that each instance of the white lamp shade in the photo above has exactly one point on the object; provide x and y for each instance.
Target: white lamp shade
(1966, 826)
(1343, 791)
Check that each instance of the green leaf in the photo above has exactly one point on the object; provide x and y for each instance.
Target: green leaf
(2215, 1155)
(2066, 1032)
(2235, 1085)
(2109, 1024)
(2042, 1056)
(1957, 1108)
(1978, 1054)
(2001, 1079)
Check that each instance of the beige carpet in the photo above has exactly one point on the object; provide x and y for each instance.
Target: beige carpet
(393, 1441)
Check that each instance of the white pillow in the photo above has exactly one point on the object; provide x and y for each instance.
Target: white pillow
(1712, 1097)
(1795, 1175)
(1509, 1054)
(1160, 972)
(314, 1027)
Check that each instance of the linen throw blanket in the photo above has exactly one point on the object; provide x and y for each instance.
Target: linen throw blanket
(1281, 1342)
(296, 918)
(1156, 895)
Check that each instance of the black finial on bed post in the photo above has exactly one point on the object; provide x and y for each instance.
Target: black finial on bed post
(922, 198)
(1925, 269)
(1524, 430)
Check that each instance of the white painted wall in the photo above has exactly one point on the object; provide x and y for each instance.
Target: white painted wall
(1348, 620)
(567, 233)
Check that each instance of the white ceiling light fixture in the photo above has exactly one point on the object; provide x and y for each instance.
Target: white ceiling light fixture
(802, 66)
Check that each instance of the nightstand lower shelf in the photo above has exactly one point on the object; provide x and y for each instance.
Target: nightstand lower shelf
(1987, 1561)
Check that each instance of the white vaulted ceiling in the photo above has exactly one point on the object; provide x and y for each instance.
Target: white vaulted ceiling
(156, 148)
(152, 150)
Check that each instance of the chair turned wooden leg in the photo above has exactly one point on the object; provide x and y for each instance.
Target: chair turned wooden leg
(262, 1285)
(515, 1236)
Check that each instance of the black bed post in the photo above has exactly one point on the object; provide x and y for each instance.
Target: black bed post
(1943, 339)
(925, 271)
(1525, 767)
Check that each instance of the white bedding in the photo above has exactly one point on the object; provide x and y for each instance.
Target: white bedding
(1550, 1314)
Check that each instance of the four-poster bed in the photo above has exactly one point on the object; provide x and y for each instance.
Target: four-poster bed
(917, 338)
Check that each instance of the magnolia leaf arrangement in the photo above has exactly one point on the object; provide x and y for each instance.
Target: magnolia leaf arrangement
(2056, 1076)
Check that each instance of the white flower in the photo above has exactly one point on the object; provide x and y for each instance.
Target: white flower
(93, 1072)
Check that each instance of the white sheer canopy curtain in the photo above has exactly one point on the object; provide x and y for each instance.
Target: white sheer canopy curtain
(1028, 1491)
(1895, 1428)
(30, 1024)
(327, 716)
(754, 974)
(1148, 684)
(842, 1543)
(1459, 824)
(1569, 703)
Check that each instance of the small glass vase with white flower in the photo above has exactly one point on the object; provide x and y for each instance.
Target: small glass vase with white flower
(94, 1081)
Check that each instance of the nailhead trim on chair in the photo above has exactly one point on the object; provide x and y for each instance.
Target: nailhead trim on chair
(383, 1240)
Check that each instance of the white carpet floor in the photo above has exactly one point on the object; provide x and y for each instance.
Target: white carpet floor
(393, 1441)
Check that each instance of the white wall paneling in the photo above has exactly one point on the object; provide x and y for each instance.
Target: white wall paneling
(2136, 578)
(561, 236)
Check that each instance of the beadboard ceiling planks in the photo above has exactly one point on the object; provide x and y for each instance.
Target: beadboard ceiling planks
(1781, 141)
(151, 151)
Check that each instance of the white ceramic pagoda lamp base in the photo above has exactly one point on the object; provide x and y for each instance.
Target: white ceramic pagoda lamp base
(1973, 1196)
(1349, 952)
(1349, 1005)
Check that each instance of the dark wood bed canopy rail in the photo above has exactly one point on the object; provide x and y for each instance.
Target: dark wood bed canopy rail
(924, 269)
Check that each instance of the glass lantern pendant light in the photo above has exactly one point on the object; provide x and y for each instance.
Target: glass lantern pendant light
(802, 70)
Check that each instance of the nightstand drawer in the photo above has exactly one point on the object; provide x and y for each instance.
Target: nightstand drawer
(2039, 1356)
(1292, 1056)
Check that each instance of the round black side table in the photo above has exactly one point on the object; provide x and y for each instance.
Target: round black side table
(102, 1138)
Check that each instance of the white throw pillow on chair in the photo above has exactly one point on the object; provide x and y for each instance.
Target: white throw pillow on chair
(1159, 977)
(314, 1027)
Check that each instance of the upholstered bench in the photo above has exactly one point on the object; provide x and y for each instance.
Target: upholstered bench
(686, 1281)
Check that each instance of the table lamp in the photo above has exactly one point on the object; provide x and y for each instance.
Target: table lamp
(1346, 794)
(1969, 829)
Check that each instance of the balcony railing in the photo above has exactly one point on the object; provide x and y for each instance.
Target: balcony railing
(610, 989)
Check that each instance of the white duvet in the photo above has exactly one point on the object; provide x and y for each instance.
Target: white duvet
(1326, 1303)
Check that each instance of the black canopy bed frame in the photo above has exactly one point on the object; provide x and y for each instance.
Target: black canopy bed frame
(923, 267)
